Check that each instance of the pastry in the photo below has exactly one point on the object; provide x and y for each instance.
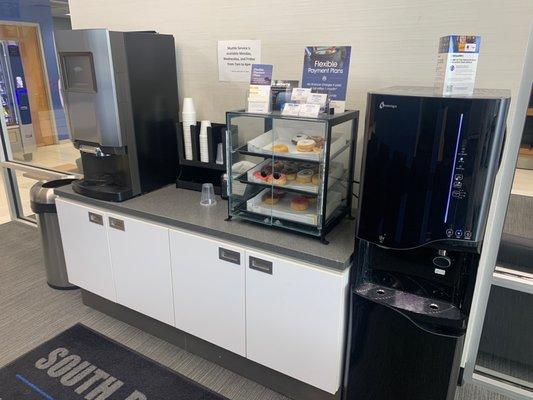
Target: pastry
(299, 203)
(272, 196)
(297, 138)
(304, 176)
(280, 148)
(290, 173)
(315, 179)
(319, 141)
(277, 178)
(278, 166)
(311, 166)
(310, 197)
(260, 176)
(305, 145)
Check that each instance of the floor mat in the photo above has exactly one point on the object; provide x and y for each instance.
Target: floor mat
(80, 363)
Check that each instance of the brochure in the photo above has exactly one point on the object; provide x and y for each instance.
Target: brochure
(281, 93)
(457, 64)
(259, 94)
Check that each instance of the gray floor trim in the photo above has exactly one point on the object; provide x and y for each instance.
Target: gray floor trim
(32, 313)
(279, 382)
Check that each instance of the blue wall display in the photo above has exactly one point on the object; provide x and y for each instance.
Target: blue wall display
(39, 12)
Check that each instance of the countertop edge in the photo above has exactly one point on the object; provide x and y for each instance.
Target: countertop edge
(319, 261)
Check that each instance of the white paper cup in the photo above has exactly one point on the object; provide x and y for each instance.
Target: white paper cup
(188, 105)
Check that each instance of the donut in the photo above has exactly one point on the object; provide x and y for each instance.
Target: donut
(280, 148)
(290, 173)
(297, 138)
(277, 178)
(304, 176)
(315, 179)
(299, 203)
(305, 145)
(258, 175)
(278, 166)
(272, 196)
(311, 166)
(319, 141)
(266, 170)
(268, 199)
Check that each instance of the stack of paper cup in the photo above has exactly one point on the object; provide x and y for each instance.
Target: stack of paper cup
(188, 118)
(204, 149)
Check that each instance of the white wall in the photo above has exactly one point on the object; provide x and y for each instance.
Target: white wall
(394, 42)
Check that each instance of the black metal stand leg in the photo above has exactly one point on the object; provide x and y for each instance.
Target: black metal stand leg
(228, 219)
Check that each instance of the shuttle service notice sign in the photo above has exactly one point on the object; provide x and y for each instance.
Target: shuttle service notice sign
(235, 59)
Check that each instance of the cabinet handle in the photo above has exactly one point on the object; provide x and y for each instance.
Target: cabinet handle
(116, 224)
(96, 218)
(229, 255)
(260, 265)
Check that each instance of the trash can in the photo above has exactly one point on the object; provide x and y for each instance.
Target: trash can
(42, 200)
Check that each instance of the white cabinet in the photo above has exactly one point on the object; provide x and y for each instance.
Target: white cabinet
(84, 236)
(295, 316)
(209, 294)
(140, 257)
(285, 315)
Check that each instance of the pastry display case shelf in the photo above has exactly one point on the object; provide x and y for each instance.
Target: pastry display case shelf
(244, 150)
(253, 176)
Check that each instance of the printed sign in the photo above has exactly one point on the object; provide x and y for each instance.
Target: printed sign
(235, 59)
(326, 70)
(457, 64)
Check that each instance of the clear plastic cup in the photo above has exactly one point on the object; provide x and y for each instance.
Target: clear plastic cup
(208, 195)
(220, 156)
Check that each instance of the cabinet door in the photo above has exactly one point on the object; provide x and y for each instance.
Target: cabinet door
(84, 237)
(295, 316)
(209, 290)
(140, 257)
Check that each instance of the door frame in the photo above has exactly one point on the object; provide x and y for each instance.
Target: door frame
(487, 275)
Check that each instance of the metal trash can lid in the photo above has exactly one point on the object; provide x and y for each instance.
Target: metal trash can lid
(42, 197)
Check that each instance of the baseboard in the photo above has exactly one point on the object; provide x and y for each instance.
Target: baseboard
(265, 376)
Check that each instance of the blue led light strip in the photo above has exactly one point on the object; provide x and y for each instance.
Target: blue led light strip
(453, 169)
(34, 387)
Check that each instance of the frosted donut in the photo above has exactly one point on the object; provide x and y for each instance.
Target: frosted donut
(260, 176)
(299, 203)
(304, 176)
(305, 145)
(277, 178)
(297, 138)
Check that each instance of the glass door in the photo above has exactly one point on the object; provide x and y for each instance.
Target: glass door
(34, 136)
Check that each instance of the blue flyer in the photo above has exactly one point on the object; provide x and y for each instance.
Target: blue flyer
(326, 70)
(261, 74)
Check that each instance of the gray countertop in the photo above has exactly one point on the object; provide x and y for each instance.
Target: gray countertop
(181, 208)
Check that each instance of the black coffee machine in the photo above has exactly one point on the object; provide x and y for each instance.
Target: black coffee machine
(121, 96)
(429, 166)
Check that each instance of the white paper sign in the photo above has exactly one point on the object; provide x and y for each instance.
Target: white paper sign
(292, 109)
(300, 94)
(309, 110)
(235, 59)
(318, 98)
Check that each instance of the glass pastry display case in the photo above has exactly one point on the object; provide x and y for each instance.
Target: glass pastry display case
(291, 172)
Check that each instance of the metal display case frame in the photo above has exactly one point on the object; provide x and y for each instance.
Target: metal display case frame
(237, 207)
